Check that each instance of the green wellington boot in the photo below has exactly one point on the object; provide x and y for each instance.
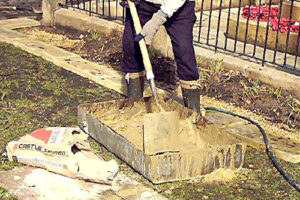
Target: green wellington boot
(191, 99)
(135, 88)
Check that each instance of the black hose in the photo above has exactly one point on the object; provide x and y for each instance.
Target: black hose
(270, 153)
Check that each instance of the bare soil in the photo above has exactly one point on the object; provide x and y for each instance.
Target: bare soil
(276, 106)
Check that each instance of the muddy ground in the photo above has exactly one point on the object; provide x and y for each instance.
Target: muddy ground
(275, 105)
(35, 93)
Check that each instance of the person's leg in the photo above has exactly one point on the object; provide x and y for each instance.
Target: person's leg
(132, 63)
(180, 29)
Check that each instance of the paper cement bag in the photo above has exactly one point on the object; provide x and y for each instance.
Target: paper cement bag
(63, 151)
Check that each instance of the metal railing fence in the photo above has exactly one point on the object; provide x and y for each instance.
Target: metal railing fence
(109, 9)
(263, 30)
(267, 31)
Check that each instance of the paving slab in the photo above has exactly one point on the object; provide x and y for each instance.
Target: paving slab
(42, 49)
(19, 23)
(101, 74)
(27, 183)
(10, 35)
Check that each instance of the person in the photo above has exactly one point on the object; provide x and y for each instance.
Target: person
(178, 17)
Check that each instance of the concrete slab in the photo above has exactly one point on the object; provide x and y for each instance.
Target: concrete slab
(195, 150)
(101, 74)
(28, 183)
(10, 35)
(182, 154)
(19, 23)
(38, 48)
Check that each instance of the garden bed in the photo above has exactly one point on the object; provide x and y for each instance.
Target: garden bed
(275, 105)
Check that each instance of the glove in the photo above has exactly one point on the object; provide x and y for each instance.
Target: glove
(124, 4)
(152, 26)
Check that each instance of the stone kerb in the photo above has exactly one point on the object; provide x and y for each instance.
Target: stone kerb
(83, 22)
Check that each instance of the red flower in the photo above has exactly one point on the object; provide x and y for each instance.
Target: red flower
(265, 13)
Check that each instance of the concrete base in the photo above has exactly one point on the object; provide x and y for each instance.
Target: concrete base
(164, 148)
(161, 154)
(261, 35)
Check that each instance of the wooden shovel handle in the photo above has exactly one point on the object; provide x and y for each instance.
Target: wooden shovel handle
(143, 47)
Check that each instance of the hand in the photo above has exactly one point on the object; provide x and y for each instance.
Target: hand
(152, 26)
(124, 3)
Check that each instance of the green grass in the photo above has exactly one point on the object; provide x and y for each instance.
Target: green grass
(35, 93)
(4, 195)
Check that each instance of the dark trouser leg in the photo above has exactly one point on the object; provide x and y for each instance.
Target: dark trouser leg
(132, 59)
(132, 63)
(180, 29)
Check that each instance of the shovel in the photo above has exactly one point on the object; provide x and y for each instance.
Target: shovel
(162, 127)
